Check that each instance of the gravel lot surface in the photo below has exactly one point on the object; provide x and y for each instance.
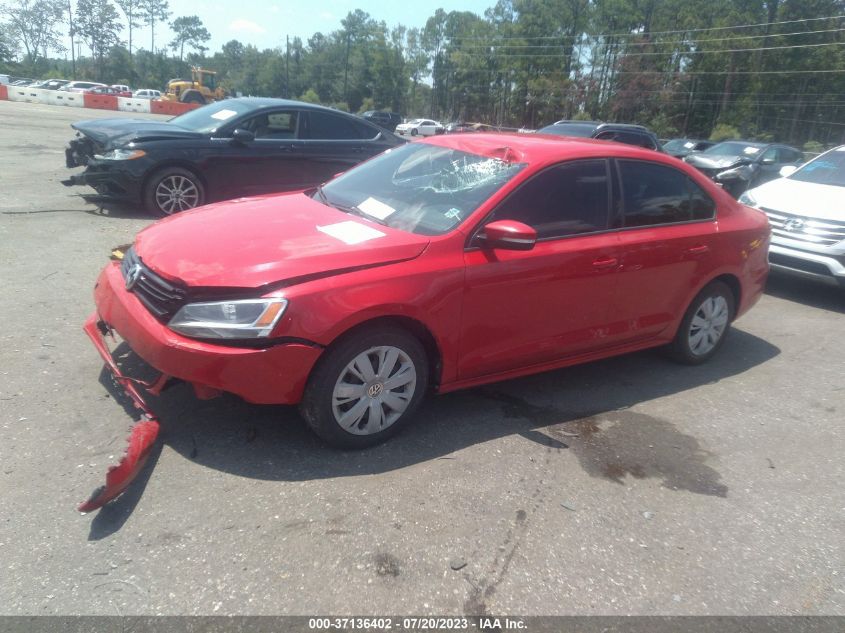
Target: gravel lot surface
(627, 486)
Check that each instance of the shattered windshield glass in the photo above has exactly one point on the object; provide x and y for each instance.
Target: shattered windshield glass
(420, 188)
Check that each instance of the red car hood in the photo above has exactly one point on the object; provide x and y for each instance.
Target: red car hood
(252, 242)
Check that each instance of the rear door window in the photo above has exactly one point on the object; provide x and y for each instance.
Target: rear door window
(656, 194)
(326, 126)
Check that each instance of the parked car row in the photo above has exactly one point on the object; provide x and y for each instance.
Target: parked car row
(84, 87)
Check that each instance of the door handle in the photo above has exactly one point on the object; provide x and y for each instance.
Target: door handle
(604, 263)
(698, 250)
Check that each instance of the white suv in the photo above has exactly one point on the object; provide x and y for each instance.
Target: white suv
(806, 210)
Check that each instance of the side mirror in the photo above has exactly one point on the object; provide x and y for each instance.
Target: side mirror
(242, 136)
(787, 170)
(508, 235)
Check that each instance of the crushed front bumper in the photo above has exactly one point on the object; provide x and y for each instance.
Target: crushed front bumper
(273, 375)
(144, 433)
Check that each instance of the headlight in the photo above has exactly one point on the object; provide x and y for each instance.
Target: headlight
(248, 318)
(121, 154)
(748, 199)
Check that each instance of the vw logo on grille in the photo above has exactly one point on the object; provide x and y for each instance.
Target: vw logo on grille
(795, 224)
(133, 275)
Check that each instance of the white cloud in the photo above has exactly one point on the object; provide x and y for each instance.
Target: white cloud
(246, 26)
(327, 15)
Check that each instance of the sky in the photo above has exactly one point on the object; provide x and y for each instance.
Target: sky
(265, 23)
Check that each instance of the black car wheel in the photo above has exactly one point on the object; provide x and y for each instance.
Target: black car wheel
(173, 189)
(192, 96)
(705, 325)
(366, 388)
(414, 131)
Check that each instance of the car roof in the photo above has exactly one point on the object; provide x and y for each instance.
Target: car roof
(544, 148)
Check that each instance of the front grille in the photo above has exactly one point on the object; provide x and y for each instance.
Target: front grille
(162, 298)
(804, 229)
(796, 263)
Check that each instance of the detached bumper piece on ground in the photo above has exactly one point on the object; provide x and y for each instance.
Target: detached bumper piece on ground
(143, 436)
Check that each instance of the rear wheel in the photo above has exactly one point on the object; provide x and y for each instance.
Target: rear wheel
(173, 189)
(705, 325)
(366, 388)
(192, 96)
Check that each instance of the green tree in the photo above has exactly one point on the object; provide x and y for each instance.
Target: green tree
(152, 12)
(189, 30)
(98, 24)
(8, 45)
(131, 10)
(36, 26)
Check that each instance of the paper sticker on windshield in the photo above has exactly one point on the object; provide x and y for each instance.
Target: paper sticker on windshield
(689, 145)
(375, 208)
(751, 150)
(223, 115)
(351, 232)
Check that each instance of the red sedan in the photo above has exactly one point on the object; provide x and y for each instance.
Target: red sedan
(438, 265)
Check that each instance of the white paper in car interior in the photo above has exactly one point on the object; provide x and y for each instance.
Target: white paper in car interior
(375, 208)
(351, 232)
(751, 150)
(223, 115)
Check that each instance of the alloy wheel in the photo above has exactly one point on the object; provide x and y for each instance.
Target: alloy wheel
(176, 193)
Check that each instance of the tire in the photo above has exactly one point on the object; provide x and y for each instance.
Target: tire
(414, 131)
(705, 325)
(340, 400)
(161, 194)
(192, 96)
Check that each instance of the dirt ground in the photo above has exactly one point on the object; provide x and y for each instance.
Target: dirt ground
(627, 486)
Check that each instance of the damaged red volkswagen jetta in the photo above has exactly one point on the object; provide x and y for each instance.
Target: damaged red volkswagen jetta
(439, 265)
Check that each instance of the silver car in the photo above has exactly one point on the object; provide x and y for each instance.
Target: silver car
(806, 209)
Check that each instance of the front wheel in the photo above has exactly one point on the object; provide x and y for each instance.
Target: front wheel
(414, 131)
(366, 388)
(705, 325)
(173, 189)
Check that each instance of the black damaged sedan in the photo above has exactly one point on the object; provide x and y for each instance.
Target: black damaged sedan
(231, 148)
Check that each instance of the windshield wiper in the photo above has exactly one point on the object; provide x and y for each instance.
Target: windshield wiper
(346, 208)
(319, 191)
(356, 211)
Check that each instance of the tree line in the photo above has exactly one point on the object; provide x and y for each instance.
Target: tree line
(768, 69)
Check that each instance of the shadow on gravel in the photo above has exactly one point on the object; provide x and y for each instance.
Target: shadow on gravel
(580, 408)
(115, 210)
(806, 291)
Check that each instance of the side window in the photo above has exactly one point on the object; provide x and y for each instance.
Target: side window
(273, 125)
(656, 194)
(789, 155)
(567, 199)
(770, 154)
(325, 126)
